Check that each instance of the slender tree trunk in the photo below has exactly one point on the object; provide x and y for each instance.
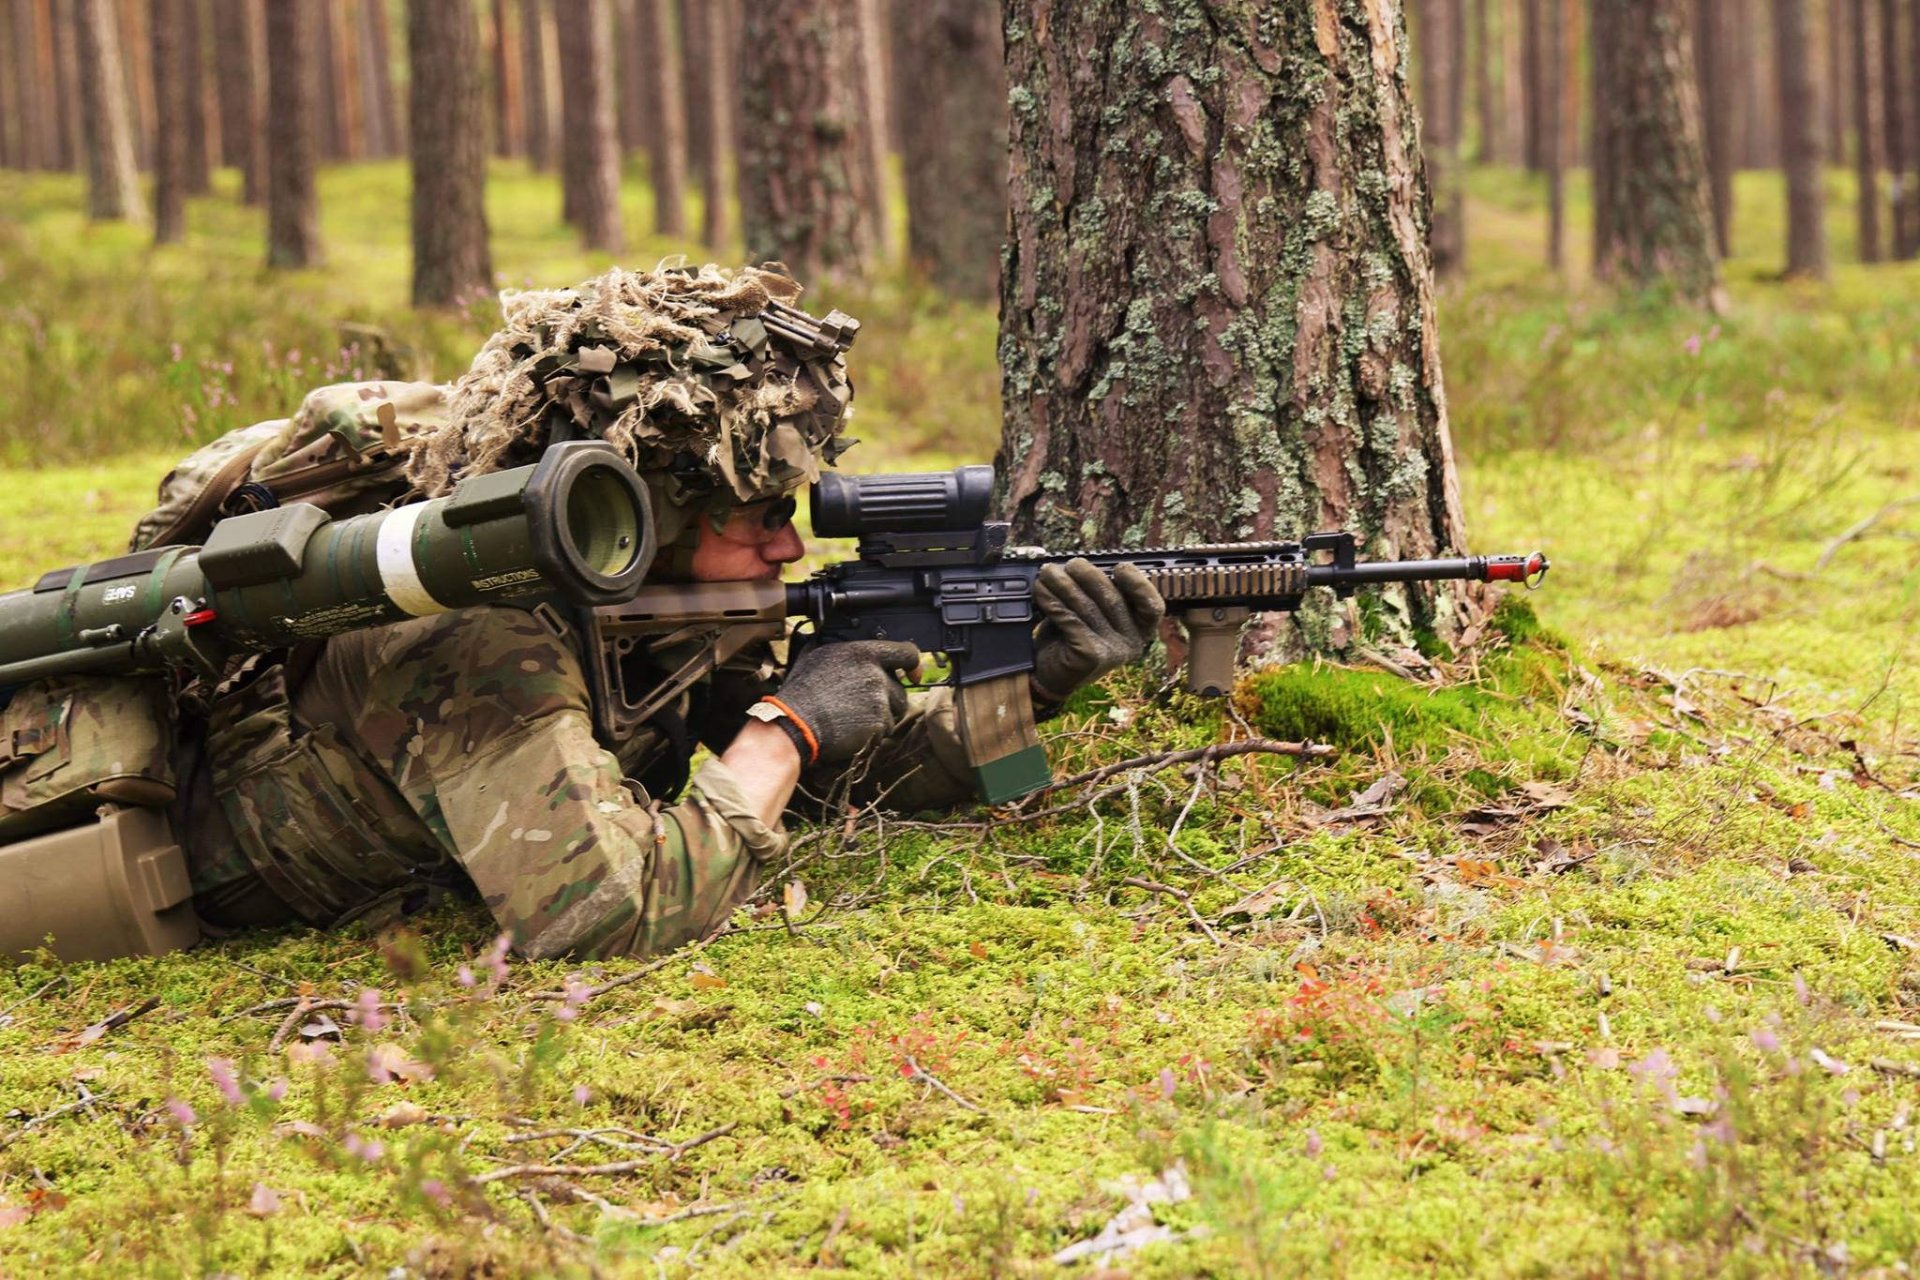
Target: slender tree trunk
(376, 79)
(12, 144)
(717, 80)
(509, 134)
(233, 75)
(1437, 61)
(67, 86)
(1258, 366)
(534, 84)
(1908, 205)
(1652, 223)
(806, 192)
(1837, 39)
(389, 101)
(667, 140)
(592, 154)
(451, 264)
(1486, 145)
(293, 232)
(203, 115)
(631, 113)
(952, 104)
(1801, 138)
(167, 25)
(1532, 59)
(30, 97)
(876, 110)
(1714, 67)
(1866, 143)
(112, 185)
(695, 19)
(1555, 42)
(139, 78)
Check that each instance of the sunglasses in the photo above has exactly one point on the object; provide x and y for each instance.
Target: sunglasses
(758, 523)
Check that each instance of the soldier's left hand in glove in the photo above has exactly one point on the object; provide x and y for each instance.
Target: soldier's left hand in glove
(1091, 624)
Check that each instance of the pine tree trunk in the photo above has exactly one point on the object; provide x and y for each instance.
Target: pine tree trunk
(1438, 62)
(233, 76)
(1486, 148)
(1713, 65)
(1866, 132)
(534, 84)
(1532, 59)
(876, 110)
(1260, 364)
(667, 138)
(1554, 40)
(293, 233)
(806, 189)
(509, 134)
(631, 111)
(113, 190)
(695, 19)
(1652, 219)
(451, 264)
(1800, 139)
(66, 69)
(30, 95)
(716, 79)
(1762, 86)
(591, 157)
(139, 78)
(376, 83)
(1908, 206)
(1835, 89)
(167, 27)
(203, 118)
(12, 143)
(953, 112)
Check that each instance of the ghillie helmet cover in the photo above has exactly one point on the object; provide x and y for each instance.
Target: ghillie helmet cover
(715, 386)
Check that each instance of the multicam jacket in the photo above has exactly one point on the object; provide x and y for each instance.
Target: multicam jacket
(459, 748)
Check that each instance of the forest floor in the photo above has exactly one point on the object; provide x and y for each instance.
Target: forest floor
(1597, 953)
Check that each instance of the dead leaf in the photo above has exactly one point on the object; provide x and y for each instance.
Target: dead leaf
(704, 978)
(1260, 901)
(321, 1028)
(1372, 803)
(978, 950)
(264, 1202)
(402, 1114)
(300, 1128)
(794, 900)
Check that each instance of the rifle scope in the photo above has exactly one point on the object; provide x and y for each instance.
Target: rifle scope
(920, 502)
(578, 524)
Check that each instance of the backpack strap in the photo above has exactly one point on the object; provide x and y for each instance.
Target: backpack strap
(200, 513)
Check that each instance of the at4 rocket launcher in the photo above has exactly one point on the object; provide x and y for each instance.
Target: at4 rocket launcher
(933, 570)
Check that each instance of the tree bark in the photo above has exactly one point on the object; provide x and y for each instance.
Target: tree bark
(712, 84)
(631, 111)
(202, 119)
(1713, 64)
(1903, 88)
(1866, 132)
(876, 111)
(167, 25)
(1760, 88)
(953, 112)
(139, 78)
(1652, 221)
(1835, 87)
(67, 86)
(695, 20)
(379, 110)
(1800, 139)
(536, 93)
(806, 178)
(509, 134)
(29, 94)
(666, 140)
(1258, 363)
(1532, 59)
(234, 82)
(451, 264)
(112, 185)
(1486, 145)
(592, 154)
(293, 231)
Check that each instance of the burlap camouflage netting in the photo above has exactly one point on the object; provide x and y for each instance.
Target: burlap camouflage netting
(710, 381)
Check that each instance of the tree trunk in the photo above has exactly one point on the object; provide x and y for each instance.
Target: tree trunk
(1259, 364)
(1532, 59)
(139, 78)
(451, 265)
(1555, 43)
(233, 74)
(509, 135)
(113, 190)
(1866, 132)
(29, 94)
(1714, 65)
(66, 68)
(203, 112)
(806, 190)
(1486, 145)
(667, 137)
(1761, 86)
(695, 20)
(1903, 88)
(953, 112)
(1438, 63)
(1652, 224)
(534, 84)
(876, 110)
(592, 154)
(1835, 89)
(293, 234)
(1800, 139)
(630, 107)
(379, 118)
(711, 84)
(167, 25)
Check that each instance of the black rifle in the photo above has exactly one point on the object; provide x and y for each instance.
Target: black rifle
(932, 570)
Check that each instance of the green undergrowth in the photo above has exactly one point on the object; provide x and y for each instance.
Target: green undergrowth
(1621, 978)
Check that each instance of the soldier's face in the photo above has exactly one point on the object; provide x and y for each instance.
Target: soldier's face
(754, 545)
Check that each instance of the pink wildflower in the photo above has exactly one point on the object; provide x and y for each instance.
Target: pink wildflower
(181, 1111)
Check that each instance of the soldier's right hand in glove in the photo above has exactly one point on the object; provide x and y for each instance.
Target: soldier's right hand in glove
(1092, 624)
(846, 697)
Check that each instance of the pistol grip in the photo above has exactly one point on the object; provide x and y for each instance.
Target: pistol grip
(1213, 639)
(1003, 747)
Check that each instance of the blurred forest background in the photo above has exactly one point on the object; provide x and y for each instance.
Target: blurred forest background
(1595, 948)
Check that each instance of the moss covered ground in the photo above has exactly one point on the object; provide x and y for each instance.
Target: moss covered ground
(1597, 954)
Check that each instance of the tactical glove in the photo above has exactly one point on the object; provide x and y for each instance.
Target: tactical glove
(846, 697)
(1092, 624)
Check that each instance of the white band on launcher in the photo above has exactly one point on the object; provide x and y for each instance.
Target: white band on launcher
(398, 576)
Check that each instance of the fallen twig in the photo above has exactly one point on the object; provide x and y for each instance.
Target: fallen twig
(1185, 900)
(673, 1152)
(922, 1074)
(1859, 529)
(1218, 751)
(1888, 1067)
(594, 993)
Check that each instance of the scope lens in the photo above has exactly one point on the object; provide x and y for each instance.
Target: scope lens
(604, 521)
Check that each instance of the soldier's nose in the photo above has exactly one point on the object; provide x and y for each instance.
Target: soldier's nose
(785, 548)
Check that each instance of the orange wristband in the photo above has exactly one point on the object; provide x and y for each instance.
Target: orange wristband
(806, 730)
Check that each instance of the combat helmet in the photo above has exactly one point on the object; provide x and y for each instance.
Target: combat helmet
(712, 382)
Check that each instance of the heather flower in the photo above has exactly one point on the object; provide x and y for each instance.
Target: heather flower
(368, 1149)
(1764, 1040)
(582, 1095)
(366, 1011)
(226, 1080)
(181, 1111)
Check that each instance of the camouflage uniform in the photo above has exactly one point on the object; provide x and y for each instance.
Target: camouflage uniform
(463, 743)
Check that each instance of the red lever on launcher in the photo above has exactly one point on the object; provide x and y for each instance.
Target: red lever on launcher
(199, 617)
(1517, 568)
